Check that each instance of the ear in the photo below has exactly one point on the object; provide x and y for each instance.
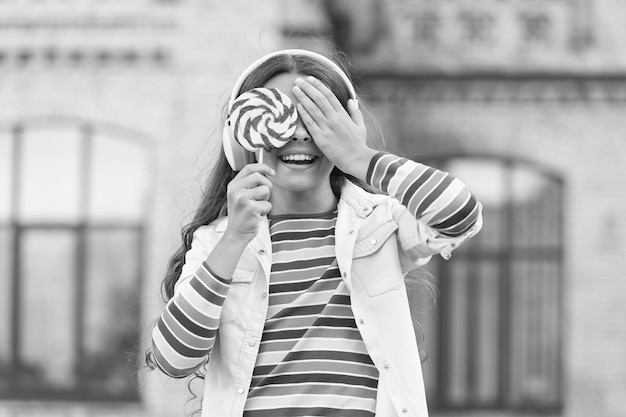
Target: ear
(236, 155)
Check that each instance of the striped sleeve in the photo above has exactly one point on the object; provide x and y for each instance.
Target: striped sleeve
(184, 334)
(435, 197)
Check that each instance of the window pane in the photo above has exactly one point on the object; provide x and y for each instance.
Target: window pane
(47, 266)
(50, 175)
(112, 312)
(119, 180)
(456, 305)
(550, 369)
(472, 308)
(487, 332)
(6, 175)
(535, 365)
(6, 286)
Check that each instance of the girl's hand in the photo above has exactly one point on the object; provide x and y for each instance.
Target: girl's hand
(339, 135)
(248, 200)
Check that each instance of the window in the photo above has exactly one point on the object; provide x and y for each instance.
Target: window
(494, 337)
(72, 212)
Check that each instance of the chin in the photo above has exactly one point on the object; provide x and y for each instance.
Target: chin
(302, 187)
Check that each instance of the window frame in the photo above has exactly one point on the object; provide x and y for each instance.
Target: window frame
(503, 257)
(79, 230)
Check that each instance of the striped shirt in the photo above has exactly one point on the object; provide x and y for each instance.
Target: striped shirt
(312, 360)
(186, 331)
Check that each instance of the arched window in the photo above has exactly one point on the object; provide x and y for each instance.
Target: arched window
(494, 337)
(72, 223)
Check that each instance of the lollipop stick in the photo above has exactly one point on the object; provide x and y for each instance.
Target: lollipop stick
(261, 153)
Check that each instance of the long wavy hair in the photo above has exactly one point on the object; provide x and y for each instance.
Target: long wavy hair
(213, 203)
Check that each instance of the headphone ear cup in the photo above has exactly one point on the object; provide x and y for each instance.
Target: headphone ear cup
(236, 155)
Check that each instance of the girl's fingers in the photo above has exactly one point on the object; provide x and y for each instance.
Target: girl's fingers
(263, 207)
(328, 96)
(250, 169)
(312, 109)
(310, 124)
(254, 180)
(251, 176)
(355, 113)
(315, 95)
(249, 201)
(260, 193)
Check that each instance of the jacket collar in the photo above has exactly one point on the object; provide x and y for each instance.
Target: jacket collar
(358, 199)
(361, 201)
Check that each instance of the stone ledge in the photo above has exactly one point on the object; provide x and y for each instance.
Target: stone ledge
(555, 89)
(46, 57)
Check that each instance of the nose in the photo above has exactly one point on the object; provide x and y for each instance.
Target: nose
(301, 134)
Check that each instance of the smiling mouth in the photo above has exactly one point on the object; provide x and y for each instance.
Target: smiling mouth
(298, 159)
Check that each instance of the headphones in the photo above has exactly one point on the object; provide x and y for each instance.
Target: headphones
(236, 155)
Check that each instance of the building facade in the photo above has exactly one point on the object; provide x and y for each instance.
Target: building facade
(110, 119)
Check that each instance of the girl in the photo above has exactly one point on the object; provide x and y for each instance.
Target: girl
(289, 285)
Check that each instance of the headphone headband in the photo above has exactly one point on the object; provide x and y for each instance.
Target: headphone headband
(301, 52)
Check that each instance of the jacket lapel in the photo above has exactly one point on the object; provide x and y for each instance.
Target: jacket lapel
(261, 247)
(353, 208)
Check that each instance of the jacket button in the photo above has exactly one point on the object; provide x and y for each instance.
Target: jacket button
(386, 365)
(373, 241)
(404, 410)
(261, 251)
(263, 295)
(252, 343)
(240, 390)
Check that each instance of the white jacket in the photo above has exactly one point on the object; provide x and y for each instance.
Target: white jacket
(377, 241)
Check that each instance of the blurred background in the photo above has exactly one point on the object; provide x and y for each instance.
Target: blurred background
(110, 121)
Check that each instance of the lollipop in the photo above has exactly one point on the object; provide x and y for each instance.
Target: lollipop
(262, 118)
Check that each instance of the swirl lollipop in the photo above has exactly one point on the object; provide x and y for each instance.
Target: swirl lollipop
(262, 118)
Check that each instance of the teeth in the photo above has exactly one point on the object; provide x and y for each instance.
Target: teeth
(297, 158)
